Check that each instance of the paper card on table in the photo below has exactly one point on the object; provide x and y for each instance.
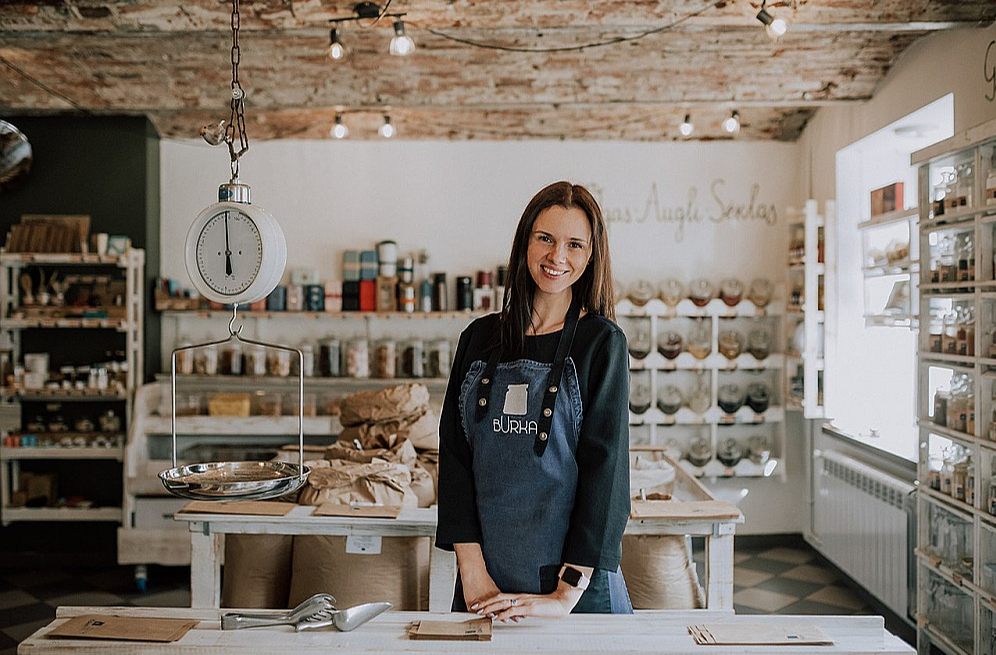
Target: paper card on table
(259, 507)
(472, 630)
(360, 511)
(746, 633)
(123, 628)
(696, 509)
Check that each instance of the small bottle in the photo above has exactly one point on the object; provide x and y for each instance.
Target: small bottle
(465, 294)
(483, 293)
(440, 294)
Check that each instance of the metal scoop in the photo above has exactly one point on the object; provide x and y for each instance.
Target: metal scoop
(317, 608)
(348, 619)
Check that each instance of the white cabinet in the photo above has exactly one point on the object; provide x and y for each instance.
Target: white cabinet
(956, 544)
(889, 247)
(74, 328)
(706, 382)
(805, 314)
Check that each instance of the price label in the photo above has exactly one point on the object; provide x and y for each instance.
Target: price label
(357, 545)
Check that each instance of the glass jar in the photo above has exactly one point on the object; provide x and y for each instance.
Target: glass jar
(699, 451)
(109, 421)
(255, 360)
(758, 397)
(669, 399)
(439, 359)
(730, 343)
(329, 354)
(670, 344)
(700, 292)
(729, 453)
(231, 358)
(206, 360)
(947, 472)
(641, 292)
(637, 329)
(758, 449)
(731, 291)
(759, 343)
(934, 472)
(357, 358)
(184, 358)
(700, 339)
(413, 359)
(672, 291)
(385, 359)
(639, 391)
(936, 335)
(730, 398)
(278, 362)
(959, 480)
(699, 398)
(760, 291)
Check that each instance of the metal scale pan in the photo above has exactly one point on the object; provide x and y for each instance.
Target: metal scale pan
(228, 481)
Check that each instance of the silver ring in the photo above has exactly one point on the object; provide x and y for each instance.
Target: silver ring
(512, 602)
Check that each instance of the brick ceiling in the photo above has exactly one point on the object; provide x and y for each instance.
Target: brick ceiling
(171, 61)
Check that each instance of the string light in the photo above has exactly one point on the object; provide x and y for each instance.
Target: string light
(686, 128)
(402, 45)
(387, 130)
(774, 26)
(339, 130)
(732, 124)
(336, 50)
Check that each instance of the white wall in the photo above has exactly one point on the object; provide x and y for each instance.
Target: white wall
(681, 209)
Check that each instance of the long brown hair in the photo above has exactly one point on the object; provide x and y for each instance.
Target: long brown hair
(594, 288)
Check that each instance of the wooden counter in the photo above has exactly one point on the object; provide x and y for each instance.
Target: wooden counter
(714, 520)
(657, 632)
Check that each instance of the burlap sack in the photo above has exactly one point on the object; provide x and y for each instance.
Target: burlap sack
(659, 573)
(399, 574)
(406, 400)
(343, 482)
(257, 570)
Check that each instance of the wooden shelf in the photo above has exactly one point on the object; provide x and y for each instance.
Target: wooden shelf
(890, 218)
(11, 514)
(54, 452)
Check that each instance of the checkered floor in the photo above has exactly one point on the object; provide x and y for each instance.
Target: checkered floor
(779, 580)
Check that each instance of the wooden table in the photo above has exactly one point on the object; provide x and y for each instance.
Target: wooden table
(714, 520)
(657, 632)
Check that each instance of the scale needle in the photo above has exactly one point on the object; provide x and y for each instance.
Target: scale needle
(228, 250)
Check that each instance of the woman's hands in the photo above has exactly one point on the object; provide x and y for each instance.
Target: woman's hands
(514, 607)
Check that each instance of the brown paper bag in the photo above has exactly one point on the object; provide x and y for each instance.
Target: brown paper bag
(405, 400)
(377, 482)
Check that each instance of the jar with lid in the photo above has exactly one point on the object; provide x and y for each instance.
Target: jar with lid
(730, 398)
(231, 358)
(184, 358)
(670, 343)
(729, 453)
(669, 399)
(278, 362)
(758, 397)
(760, 291)
(639, 391)
(934, 471)
(413, 359)
(357, 358)
(699, 452)
(759, 343)
(964, 185)
(329, 353)
(947, 472)
(255, 360)
(206, 360)
(700, 339)
(966, 257)
(949, 340)
(699, 398)
(439, 359)
(758, 449)
(637, 329)
(936, 336)
(672, 291)
(941, 398)
(385, 359)
(109, 421)
(730, 343)
(970, 483)
(700, 292)
(641, 292)
(307, 360)
(959, 478)
(731, 291)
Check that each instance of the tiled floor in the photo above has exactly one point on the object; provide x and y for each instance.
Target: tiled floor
(766, 580)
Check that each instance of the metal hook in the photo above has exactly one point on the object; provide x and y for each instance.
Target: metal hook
(231, 324)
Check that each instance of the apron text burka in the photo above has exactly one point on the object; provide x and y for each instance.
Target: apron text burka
(522, 420)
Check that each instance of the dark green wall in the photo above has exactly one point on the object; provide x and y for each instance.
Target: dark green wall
(107, 167)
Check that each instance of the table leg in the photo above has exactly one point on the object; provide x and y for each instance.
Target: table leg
(205, 567)
(719, 567)
(442, 577)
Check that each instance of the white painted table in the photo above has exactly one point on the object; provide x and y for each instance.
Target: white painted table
(207, 547)
(656, 632)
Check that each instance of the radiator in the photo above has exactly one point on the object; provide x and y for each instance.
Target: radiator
(864, 521)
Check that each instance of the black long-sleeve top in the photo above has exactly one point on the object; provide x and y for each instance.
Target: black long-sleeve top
(601, 504)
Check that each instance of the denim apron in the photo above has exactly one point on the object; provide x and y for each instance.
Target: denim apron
(522, 420)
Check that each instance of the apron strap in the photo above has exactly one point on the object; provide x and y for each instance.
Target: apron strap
(552, 383)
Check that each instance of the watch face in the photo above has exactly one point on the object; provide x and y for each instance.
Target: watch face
(571, 576)
(229, 252)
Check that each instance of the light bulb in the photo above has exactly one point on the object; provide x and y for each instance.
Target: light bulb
(335, 50)
(773, 26)
(401, 44)
(339, 130)
(732, 124)
(387, 130)
(686, 128)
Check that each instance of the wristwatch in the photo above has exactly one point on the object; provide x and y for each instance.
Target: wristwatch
(574, 578)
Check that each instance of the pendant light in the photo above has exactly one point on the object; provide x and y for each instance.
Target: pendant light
(774, 26)
(336, 49)
(402, 45)
(686, 128)
(732, 124)
(339, 129)
(387, 130)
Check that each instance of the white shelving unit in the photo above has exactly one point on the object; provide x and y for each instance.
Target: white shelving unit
(804, 316)
(956, 541)
(18, 318)
(675, 431)
(891, 263)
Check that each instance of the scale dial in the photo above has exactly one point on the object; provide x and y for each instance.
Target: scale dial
(235, 253)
